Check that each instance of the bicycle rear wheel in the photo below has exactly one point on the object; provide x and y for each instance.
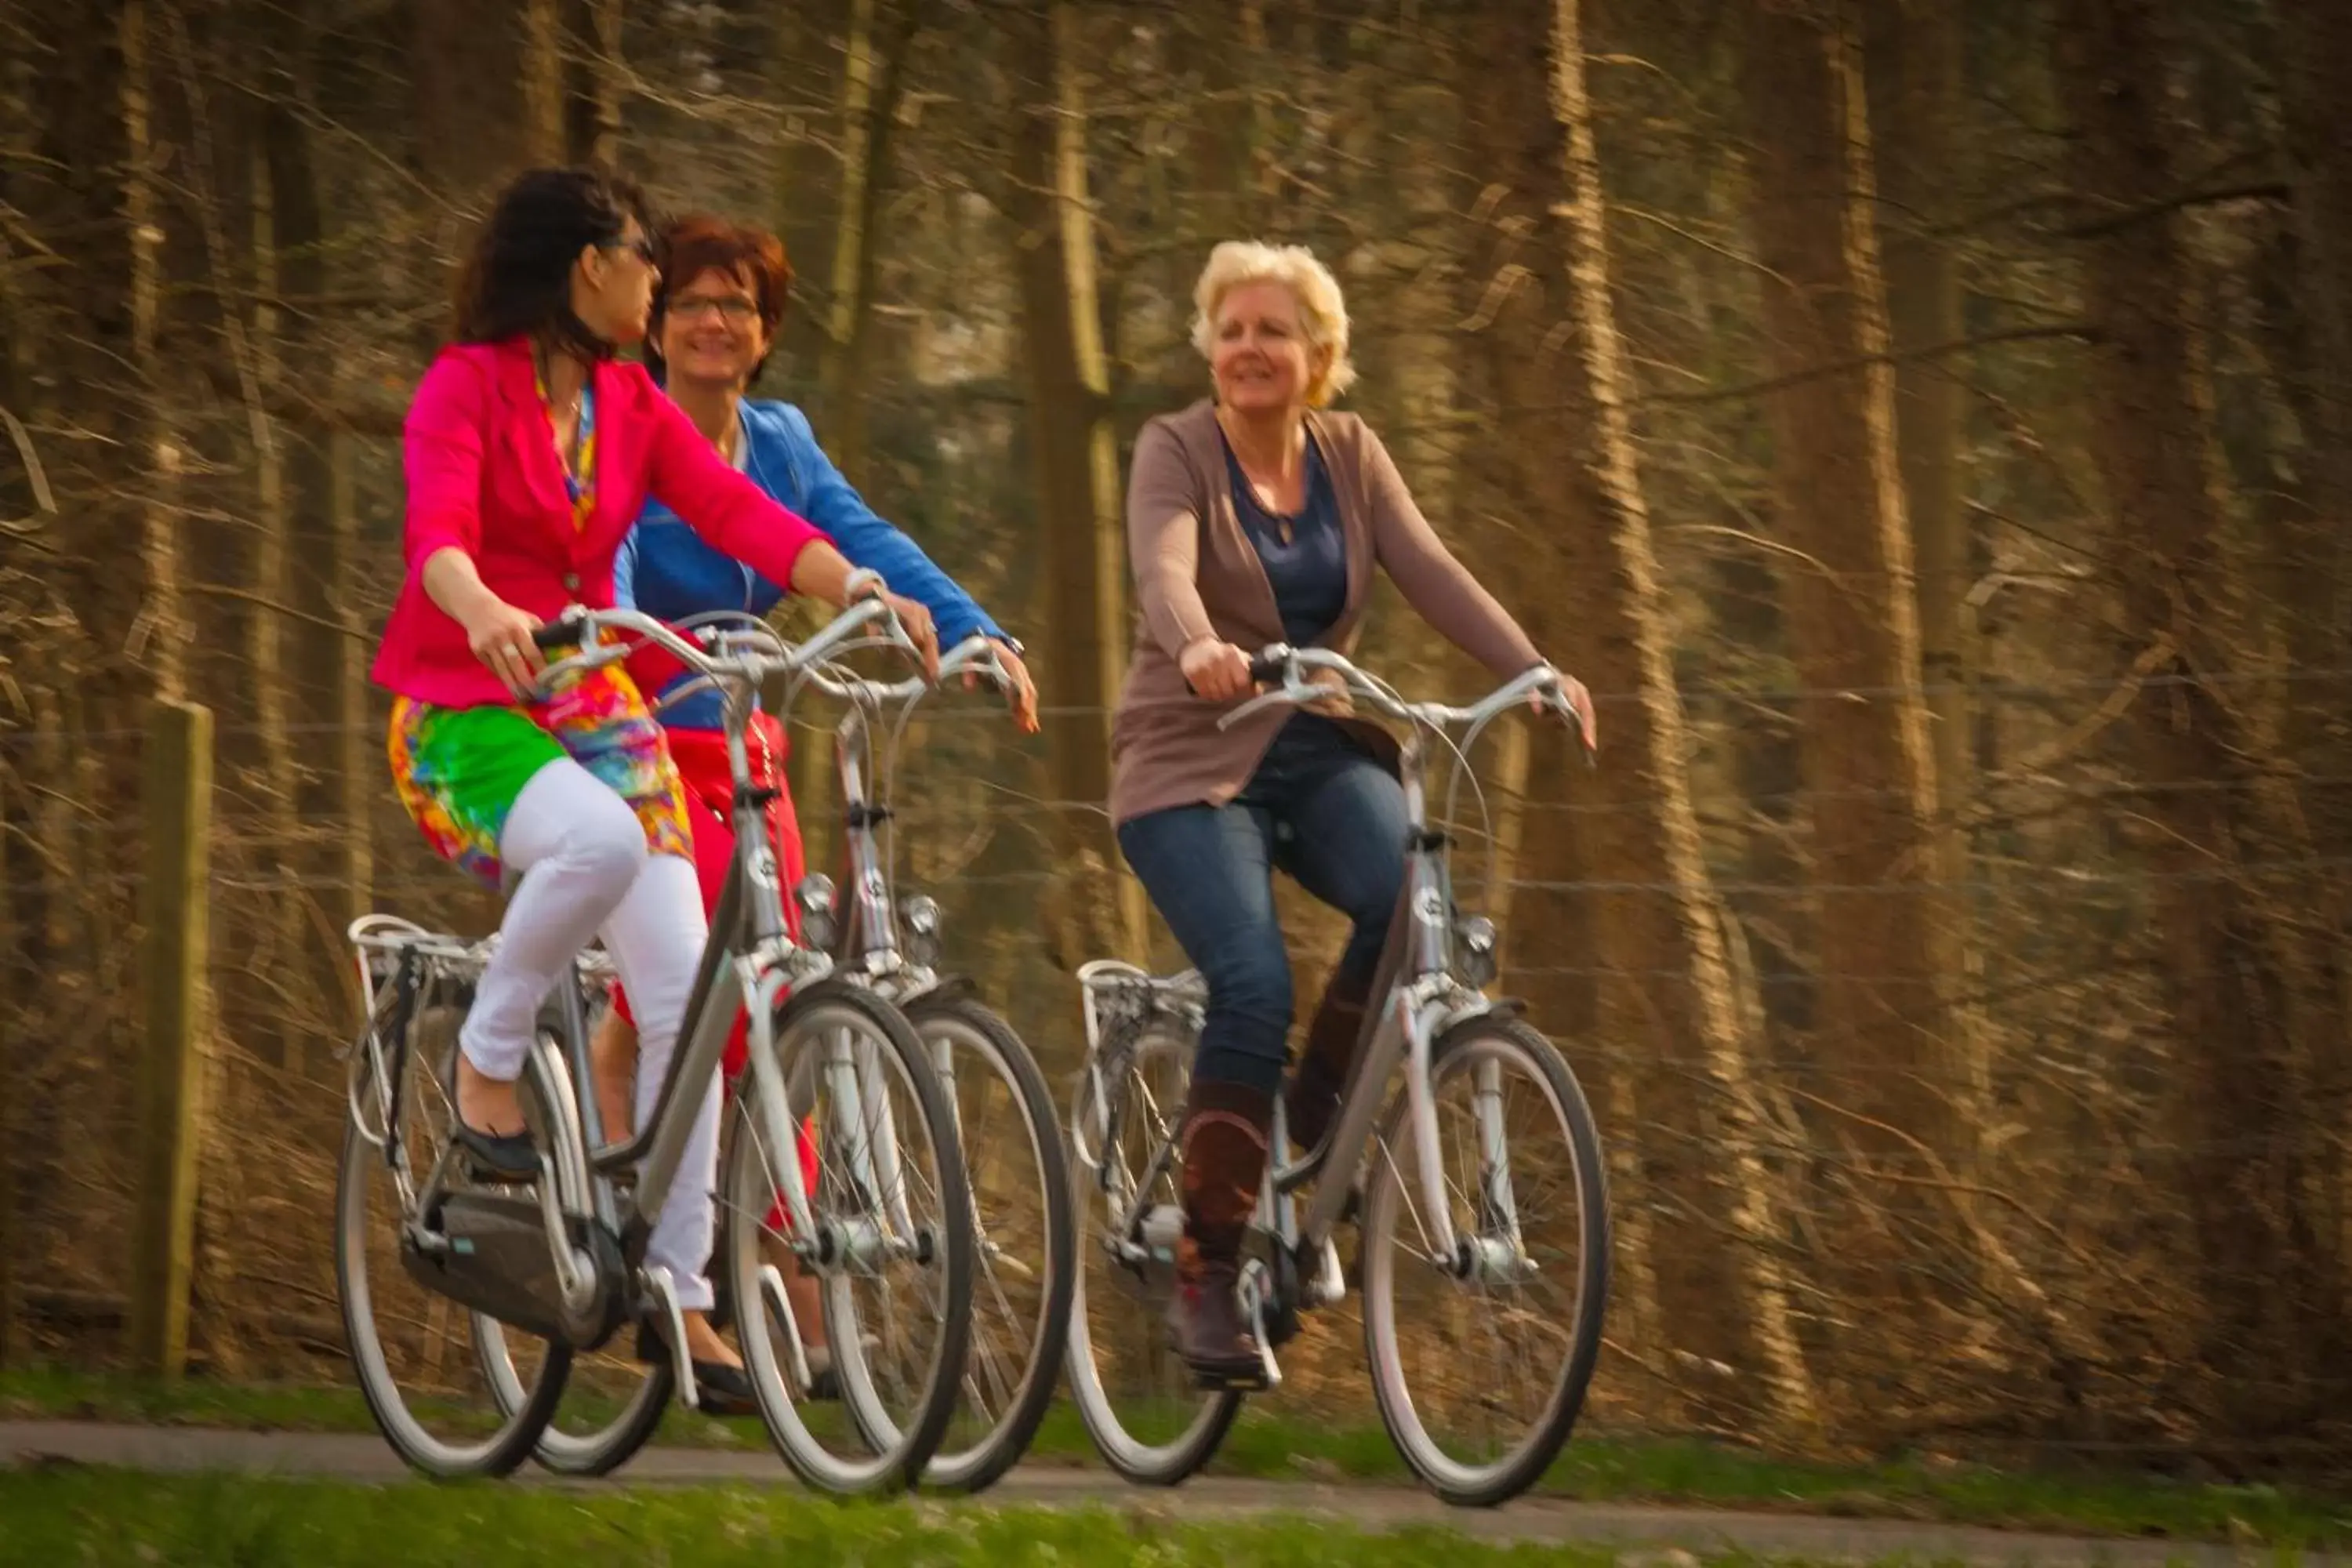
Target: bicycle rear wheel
(1021, 1206)
(893, 1248)
(409, 1344)
(1141, 1405)
(1480, 1361)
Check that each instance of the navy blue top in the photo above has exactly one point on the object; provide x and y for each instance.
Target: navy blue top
(1310, 570)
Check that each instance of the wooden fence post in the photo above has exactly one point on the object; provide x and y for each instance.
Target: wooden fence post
(11, 1237)
(173, 906)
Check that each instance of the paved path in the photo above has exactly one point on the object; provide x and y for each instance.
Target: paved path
(1656, 1535)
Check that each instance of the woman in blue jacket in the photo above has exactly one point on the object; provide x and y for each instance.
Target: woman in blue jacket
(714, 318)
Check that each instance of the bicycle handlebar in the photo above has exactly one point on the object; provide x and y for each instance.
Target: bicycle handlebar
(724, 656)
(977, 654)
(1280, 663)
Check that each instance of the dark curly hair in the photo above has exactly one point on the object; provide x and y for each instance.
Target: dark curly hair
(700, 243)
(517, 277)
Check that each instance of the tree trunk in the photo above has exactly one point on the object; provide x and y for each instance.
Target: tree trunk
(13, 1239)
(18, 141)
(356, 773)
(1075, 469)
(2255, 1011)
(1852, 614)
(2318, 39)
(473, 125)
(156, 455)
(874, 78)
(2316, 557)
(804, 166)
(543, 82)
(1912, 54)
(1664, 991)
(609, 73)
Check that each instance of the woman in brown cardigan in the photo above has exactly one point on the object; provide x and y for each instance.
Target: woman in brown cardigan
(1252, 519)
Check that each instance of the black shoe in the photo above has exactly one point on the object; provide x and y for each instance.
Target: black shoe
(723, 1390)
(719, 1389)
(499, 1156)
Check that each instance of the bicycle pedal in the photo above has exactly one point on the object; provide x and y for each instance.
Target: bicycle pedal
(1236, 1379)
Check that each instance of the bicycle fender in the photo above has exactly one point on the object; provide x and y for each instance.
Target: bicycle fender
(943, 988)
(1483, 1007)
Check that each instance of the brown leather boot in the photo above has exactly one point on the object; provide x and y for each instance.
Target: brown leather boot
(1314, 1092)
(1224, 1148)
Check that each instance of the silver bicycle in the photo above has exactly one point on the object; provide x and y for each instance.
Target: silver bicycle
(1482, 1216)
(1005, 1121)
(551, 1268)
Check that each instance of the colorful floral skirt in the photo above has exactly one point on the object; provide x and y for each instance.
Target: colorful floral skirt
(458, 770)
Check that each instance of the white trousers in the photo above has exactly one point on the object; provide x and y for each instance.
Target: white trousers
(585, 870)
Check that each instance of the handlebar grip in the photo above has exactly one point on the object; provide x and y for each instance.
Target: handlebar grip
(566, 633)
(1270, 667)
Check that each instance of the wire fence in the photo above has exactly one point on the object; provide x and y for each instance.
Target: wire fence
(2030, 1272)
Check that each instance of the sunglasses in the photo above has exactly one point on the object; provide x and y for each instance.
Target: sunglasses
(641, 246)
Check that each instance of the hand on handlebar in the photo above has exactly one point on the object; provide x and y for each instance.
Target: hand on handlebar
(916, 622)
(1020, 690)
(1579, 709)
(1216, 671)
(500, 635)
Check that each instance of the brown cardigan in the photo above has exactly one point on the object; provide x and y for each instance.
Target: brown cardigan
(1197, 575)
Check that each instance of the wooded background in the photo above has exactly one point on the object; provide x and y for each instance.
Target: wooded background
(1923, 424)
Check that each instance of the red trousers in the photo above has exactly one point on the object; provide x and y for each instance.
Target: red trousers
(701, 759)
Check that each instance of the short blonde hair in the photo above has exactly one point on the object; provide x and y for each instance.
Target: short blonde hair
(1322, 310)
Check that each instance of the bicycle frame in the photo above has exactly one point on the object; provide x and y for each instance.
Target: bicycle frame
(869, 944)
(749, 963)
(1419, 999)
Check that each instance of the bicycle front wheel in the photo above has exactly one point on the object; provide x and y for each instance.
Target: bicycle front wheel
(1020, 1211)
(890, 1270)
(1480, 1359)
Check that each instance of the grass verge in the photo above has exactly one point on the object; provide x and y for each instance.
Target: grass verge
(1270, 1444)
(110, 1516)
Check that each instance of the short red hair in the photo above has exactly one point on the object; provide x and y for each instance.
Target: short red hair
(705, 242)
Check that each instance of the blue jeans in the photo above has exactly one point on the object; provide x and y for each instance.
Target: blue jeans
(1319, 808)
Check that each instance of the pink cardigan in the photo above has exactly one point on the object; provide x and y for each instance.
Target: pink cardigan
(484, 477)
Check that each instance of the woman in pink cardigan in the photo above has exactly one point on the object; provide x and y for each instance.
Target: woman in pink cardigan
(529, 451)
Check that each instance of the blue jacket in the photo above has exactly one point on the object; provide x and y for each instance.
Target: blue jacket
(666, 570)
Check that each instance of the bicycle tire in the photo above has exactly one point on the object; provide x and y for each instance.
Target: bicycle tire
(508, 1446)
(1457, 1483)
(963, 1023)
(1139, 1459)
(897, 1451)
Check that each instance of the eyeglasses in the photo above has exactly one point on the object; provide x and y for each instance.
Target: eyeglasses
(732, 308)
(641, 246)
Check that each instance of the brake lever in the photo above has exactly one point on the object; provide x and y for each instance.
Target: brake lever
(989, 667)
(1296, 693)
(1555, 700)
